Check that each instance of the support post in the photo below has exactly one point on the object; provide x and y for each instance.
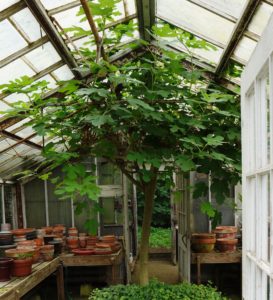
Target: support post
(126, 227)
(46, 203)
(3, 203)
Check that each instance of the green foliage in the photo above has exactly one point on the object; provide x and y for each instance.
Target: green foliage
(157, 291)
(159, 237)
(162, 208)
(140, 114)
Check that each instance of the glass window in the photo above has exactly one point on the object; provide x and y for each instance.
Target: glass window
(26, 22)
(195, 19)
(11, 40)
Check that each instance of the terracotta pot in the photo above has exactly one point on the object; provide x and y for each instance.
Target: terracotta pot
(6, 238)
(203, 236)
(22, 231)
(225, 232)
(20, 253)
(21, 267)
(5, 268)
(47, 252)
(72, 243)
(48, 229)
(82, 241)
(39, 242)
(26, 243)
(204, 245)
(37, 255)
(226, 245)
(73, 231)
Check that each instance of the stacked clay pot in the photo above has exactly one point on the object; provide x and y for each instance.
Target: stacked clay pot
(226, 238)
(203, 242)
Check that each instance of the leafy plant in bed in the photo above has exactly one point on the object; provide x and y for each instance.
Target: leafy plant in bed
(158, 291)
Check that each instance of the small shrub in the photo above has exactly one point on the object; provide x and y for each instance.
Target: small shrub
(157, 291)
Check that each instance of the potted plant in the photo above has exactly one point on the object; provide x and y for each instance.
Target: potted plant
(5, 267)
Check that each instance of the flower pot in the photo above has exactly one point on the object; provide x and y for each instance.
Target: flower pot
(82, 241)
(21, 267)
(225, 232)
(6, 238)
(72, 243)
(226, 245)
(58, 247)
(20, 253)
(73, 231)
(47, 252)
(203, 236)
(48, 229)
(203, 245)
(108, 239)
(5, 268)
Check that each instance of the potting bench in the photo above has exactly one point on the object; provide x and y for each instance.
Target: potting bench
(111, 261)
(19, 286)
(214, 258)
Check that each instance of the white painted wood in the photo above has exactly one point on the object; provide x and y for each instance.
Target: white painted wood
(257, 171)
(72, 212)
(97, 183)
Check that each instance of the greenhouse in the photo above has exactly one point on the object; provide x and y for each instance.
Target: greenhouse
(136, 149)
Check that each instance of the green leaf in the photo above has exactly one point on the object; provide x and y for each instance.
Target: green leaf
(185, 163)
(140, 103)
(213, 140)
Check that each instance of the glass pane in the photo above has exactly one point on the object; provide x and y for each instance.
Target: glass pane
(244, 49)
(27, 23)
(63, 73)
(209, 56)
(231, 7)
(15, 70)
(260, 18)
(35, 202)
(195, 19)
(43, 57)
(6, 3)
(52, 84)
(16, 97)
(11, 40)
(50, 4)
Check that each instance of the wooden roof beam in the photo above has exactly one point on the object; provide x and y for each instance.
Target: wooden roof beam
(17, 138)
(238, 31)
(21, 141)
(13, 9)
(42, 17)
(146, 17)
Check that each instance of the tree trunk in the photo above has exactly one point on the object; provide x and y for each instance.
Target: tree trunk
(149, 192)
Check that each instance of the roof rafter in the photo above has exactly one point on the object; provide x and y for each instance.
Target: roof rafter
(41, 15)
(13, 9)
(237, 33)
(64, 7)
(17, 138)
(19, 141)
(146, 17)
(23, 51)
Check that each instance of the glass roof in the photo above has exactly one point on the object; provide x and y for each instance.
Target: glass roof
(26, 49)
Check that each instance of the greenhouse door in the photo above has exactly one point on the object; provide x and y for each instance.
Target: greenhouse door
(183, 200)
(257, 148)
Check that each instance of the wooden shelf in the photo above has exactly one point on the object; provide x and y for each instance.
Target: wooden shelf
(18, 286)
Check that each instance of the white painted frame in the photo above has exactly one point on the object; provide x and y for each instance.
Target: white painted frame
(257, 172)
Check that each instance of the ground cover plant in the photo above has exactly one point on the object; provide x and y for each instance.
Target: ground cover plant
(141, 114)
(157, 291)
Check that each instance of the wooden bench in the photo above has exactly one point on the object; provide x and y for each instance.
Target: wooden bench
(17, 287)
(111, 261)
(214, 258)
